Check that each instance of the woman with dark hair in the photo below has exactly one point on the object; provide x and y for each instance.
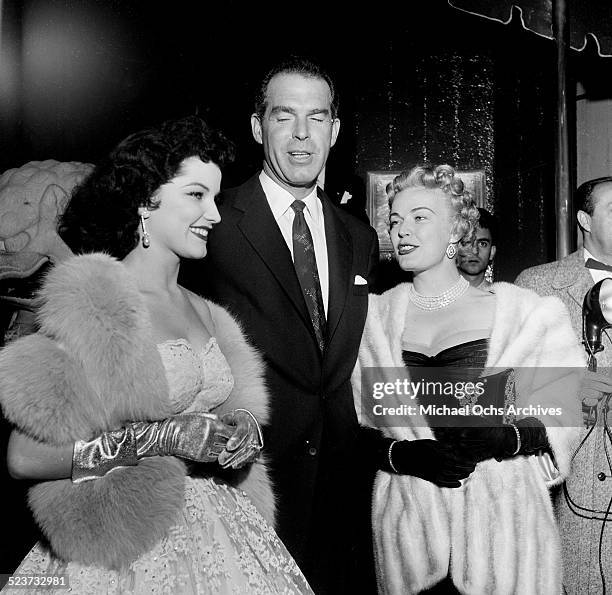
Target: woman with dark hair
(493, 532)
(137, 404)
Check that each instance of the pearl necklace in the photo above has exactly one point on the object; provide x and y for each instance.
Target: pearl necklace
(437, 302)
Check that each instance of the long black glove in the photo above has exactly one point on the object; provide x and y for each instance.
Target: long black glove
(430, 460)
(427, 459)
(486, 439)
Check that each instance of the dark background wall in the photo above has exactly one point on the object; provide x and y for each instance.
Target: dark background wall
(419, 82)
(425, 84)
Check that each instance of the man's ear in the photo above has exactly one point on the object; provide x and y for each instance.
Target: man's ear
(256, 128)
(492, 253)
(335, 130)
(584, 220)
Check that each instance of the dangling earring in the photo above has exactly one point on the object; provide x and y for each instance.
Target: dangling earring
(489, 273)
(451, 251)
(146, 239)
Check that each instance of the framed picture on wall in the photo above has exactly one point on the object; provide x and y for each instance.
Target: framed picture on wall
(378, 208)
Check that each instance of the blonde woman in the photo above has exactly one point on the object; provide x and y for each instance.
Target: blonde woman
(496, 532)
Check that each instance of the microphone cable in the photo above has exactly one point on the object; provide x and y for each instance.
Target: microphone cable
(573, 507)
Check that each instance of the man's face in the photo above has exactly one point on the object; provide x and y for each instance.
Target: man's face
(599, 224)
(297, 131)
(474, 258)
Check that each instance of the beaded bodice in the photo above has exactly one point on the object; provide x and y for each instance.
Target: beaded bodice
(198, 380)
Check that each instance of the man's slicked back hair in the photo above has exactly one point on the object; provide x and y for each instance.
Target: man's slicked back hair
(296, 65)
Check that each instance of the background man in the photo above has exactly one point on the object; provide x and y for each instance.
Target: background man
(582, 503)
(305, 314)
(473, 259)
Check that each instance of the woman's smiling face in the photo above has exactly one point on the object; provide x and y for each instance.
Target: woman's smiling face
(420, 225)
(187, 209)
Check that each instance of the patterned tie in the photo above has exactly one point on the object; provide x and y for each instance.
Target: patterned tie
(598, 266)
(306, 269)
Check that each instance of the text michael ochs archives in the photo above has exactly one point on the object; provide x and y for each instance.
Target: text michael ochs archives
(454, 396)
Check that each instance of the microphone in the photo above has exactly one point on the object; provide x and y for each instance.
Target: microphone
(596, 317)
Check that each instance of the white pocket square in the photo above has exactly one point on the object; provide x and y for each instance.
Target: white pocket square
(359, 280)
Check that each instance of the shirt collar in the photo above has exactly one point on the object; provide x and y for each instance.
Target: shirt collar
(596, 274)
(586, 254)
(280, 199)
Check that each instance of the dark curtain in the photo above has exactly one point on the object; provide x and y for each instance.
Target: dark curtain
(474, 95)
(425, 84)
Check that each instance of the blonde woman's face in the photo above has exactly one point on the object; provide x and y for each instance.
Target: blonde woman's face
(420, 225)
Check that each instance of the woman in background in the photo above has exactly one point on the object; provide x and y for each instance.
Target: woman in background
(494, 532)
(137, 405)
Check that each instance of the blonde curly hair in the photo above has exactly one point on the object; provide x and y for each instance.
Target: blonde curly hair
(443, 178)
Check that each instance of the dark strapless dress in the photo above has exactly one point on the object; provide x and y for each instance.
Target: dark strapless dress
(462, 363)
(472, 355)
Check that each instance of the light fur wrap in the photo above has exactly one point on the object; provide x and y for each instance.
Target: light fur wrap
(92, 367)
(496, 534)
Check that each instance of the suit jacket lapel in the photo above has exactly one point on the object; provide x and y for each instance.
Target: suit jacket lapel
(262, 232)
(340, 260)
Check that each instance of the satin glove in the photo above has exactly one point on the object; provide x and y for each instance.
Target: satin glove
(487, 439)
(428, 459)
(246, 442)
(197, 437)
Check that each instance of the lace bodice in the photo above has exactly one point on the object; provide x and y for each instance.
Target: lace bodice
(198, 381)
(220, 545)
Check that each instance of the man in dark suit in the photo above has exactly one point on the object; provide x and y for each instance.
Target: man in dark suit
(583, 501)
(306, 320)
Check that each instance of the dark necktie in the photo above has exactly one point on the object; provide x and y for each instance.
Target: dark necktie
(591, 263)
(306, 269)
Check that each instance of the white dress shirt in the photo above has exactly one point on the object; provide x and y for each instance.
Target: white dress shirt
(280, 201)
(596, 274)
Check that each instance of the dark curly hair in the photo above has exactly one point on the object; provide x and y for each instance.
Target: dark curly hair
(488, 221)
(102, 214)
(296, 65)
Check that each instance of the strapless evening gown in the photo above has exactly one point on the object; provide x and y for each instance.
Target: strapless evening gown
(464, 362)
